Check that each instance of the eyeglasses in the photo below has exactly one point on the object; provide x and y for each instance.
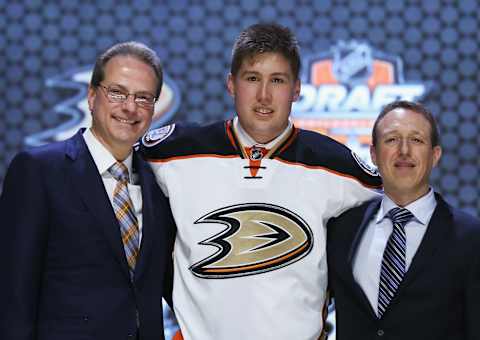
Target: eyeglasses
(116, 94)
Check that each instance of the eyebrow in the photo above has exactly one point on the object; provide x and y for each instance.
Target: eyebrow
(275, 74)
(127, 90)
(413, 133)
(284, 74)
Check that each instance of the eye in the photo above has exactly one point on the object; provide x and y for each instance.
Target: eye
(390, 140)
(116, 93)
(417, 140)
(278, 80)
(144, 97)
(141, 100)
(252, 78)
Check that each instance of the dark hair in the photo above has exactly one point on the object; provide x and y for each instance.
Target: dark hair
(263, 38)
(412, 106)
(132, 49)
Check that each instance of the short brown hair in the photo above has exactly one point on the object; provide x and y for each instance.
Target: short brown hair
(131, 48)
(412, 106)
(264, 38)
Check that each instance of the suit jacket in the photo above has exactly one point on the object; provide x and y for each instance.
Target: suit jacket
(439, 297)
(64, 271)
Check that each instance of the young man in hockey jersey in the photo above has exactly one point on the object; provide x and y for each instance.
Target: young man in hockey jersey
(251, 197)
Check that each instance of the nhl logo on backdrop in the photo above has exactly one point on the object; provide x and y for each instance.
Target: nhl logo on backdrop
(344, 89)
(352, 63)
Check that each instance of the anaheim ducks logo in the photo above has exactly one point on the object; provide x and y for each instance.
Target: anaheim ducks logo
(259, 238)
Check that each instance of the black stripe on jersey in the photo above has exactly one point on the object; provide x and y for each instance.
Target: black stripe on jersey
(313, 149)
(302, 147)
(192, 140)
(286, 142)
(235, 140)
(254, 167)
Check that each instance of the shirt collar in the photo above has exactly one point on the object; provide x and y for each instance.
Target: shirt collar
(247, 141)
(422, 209)
(102, 158)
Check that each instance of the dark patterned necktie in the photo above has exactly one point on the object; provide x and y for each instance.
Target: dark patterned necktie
(124, 211)
(393, 263)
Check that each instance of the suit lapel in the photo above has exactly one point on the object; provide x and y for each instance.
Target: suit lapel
(147, 182)
(370, 212)
(88, 183)
(436, 237)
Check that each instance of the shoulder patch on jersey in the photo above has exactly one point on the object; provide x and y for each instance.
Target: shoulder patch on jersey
(365, 166)
(156, 136)
(259, 238)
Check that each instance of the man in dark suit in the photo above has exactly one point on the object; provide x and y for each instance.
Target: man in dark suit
(87, 233)
(405, 266)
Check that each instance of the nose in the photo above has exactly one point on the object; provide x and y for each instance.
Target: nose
(404, 147)
(129, 103)
(264, 95)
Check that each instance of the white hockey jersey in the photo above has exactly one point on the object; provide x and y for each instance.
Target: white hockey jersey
(250, 253)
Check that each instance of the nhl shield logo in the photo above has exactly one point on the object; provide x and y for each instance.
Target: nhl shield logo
(345, 87)
(352, 62)
(256, 153)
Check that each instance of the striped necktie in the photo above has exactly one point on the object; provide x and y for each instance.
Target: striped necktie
(124, 211)
(393, 263)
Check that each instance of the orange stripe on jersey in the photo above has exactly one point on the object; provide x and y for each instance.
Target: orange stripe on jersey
(178, 336)
(175, 158)
(228, 129)
(257, 266)
(317, 167)
(254, 166)
(290, 139)
(314, 167)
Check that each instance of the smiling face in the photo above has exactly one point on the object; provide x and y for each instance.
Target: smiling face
(404, 155)
(264, 89)
(119, 125)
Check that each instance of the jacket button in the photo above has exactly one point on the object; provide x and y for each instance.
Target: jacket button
(380, 332)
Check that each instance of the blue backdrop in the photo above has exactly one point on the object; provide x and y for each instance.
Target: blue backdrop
(44, 46)
(357, 55)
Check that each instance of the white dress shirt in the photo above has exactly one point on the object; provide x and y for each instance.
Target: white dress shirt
(103, 160)
(369, 254)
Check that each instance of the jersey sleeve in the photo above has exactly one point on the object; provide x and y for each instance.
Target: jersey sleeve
(153, 149)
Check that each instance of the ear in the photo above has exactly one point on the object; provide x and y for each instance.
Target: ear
(437, 154)
(231, 85)
(373, 154)
(91, 95)
(296, 90)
